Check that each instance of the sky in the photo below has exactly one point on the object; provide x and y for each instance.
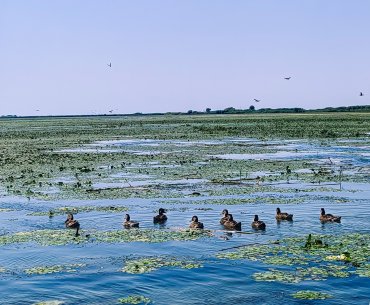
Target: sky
(180, 55)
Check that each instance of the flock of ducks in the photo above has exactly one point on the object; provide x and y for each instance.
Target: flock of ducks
(227, 220)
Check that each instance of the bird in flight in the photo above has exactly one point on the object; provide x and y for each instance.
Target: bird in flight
(110, 111)
(361, 94)
(287, 78)
(37, 109)
(109, 65)
(256, 100)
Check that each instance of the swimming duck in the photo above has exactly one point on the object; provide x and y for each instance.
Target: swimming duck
(195, 224)
(283, 216)
(223, 219)
(328, 217)
(72, 223)
(160, 218)
(258, 224)
(231, 224)
(130, 224)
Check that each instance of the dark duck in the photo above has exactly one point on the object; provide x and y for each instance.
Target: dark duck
(72, 223)
(195, 224)
(231, 224)
(283, 216)
(161, 217)
(224, 219)
(328, 217)
(258, 224)
(129, 223)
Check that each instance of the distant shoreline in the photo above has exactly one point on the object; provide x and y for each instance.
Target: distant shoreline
(229, 110)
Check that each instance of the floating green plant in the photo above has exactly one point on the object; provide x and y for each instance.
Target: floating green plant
(134, 299)
(64, 237)
(81, 209)
(53, 269)
(311, 257)
(277, 276)
(145, 265)
(311, 295)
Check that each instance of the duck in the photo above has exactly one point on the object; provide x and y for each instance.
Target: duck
(195, 224)
(224, 219)
(328, 217)
(258, 224)
(130, 224)
(283, 216)
(231, 224)
(160, 218)
(72, 223)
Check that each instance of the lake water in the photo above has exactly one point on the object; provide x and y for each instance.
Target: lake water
(218, 281)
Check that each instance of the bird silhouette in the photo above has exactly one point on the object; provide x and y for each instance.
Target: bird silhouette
(288, 78)
(110, 111)
(109, 65)
(361, 94)
(257, 101)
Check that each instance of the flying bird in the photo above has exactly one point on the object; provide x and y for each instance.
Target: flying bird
(109, 65)
(110, 111)
(361, 94)
(288, 78)
(256, 100)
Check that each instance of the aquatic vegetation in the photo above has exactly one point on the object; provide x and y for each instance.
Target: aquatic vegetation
(2, 270)
(314, 254)
(134, 299)
(65, 237)
(277, 276)
(53, 269)
(80, 209)
(148, 264)
(363, 271)
(310, 295)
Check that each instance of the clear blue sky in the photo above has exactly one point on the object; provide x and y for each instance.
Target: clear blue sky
(180, 55)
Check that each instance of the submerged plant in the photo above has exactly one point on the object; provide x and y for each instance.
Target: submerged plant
(149, 264)
(311, 295)
(134, 299)
(53, 269)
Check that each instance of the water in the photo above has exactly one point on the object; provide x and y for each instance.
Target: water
(219, 281)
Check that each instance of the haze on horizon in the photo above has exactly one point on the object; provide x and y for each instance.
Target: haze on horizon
(181, 55)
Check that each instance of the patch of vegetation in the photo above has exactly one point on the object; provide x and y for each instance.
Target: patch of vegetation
(134, 299)
(311, 295)
(309, 258)
(64, 237)
(149, 264)
(53, 269)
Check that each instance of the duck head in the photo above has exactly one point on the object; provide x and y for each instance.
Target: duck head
(161, 211)
(69, 216)
(255, 217)
(127, 217)
(322, 211)
(225, 212)
(194, 218)
(278, 211)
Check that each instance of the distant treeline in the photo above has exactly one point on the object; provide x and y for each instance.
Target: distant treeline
(229, 110)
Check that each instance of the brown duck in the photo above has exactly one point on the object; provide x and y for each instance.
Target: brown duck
(328, 217)
(231, 224)
(195, 224)
(224, 219)
(129, 223)
(72, 223)
(283, 216)
(160, 218)
(258, 224)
